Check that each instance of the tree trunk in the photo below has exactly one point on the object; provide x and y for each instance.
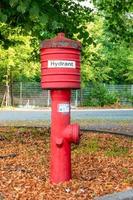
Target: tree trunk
(11, 88)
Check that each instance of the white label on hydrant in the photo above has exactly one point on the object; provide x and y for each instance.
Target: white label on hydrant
(64, 107)
(61, 64)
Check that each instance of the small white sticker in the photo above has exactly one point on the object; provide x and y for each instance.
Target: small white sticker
(64, 107)
(61, 64)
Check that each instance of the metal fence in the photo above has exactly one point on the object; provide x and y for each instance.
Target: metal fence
(30, 94)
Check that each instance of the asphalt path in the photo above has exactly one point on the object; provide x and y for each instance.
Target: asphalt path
(119, 121)
(88, 114)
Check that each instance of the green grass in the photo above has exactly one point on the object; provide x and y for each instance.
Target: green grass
(88, 146)
(110, 147)
(116, 150)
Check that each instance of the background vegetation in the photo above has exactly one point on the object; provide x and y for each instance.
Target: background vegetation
(104, 30)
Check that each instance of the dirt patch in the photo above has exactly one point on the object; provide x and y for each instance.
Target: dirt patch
(101, 164)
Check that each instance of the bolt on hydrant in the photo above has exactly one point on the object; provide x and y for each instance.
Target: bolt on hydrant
(60, 72)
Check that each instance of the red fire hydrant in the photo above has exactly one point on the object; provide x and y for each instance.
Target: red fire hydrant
(60, 67)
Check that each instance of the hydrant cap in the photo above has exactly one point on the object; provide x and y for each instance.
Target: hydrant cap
(76, 130)
(61, 41)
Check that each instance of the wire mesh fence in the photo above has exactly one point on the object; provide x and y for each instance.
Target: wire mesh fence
(30, 94)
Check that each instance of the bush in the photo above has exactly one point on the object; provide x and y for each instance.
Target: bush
(100, 96)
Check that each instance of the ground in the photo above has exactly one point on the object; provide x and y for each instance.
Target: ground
(101, 164)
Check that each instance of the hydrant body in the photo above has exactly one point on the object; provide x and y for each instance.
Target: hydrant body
(62, 134)
(60, 62)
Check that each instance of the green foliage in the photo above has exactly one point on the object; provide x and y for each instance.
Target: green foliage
(25, 23)
(104, 60)
(126, 95)
(118, 59)
(129, 73)
(99, 96)
(106, 53)
(16, 59)
(94, 65)
(118, 18)
(45, 18)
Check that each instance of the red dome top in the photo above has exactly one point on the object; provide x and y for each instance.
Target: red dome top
(61, 41)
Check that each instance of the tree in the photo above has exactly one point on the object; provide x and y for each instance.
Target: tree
(106, 52)
(45, 18)
(118, 58)
(117, 40)
(17, 58)
(94, 65)
(38, 20)
(118, 18)
(106, 60)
